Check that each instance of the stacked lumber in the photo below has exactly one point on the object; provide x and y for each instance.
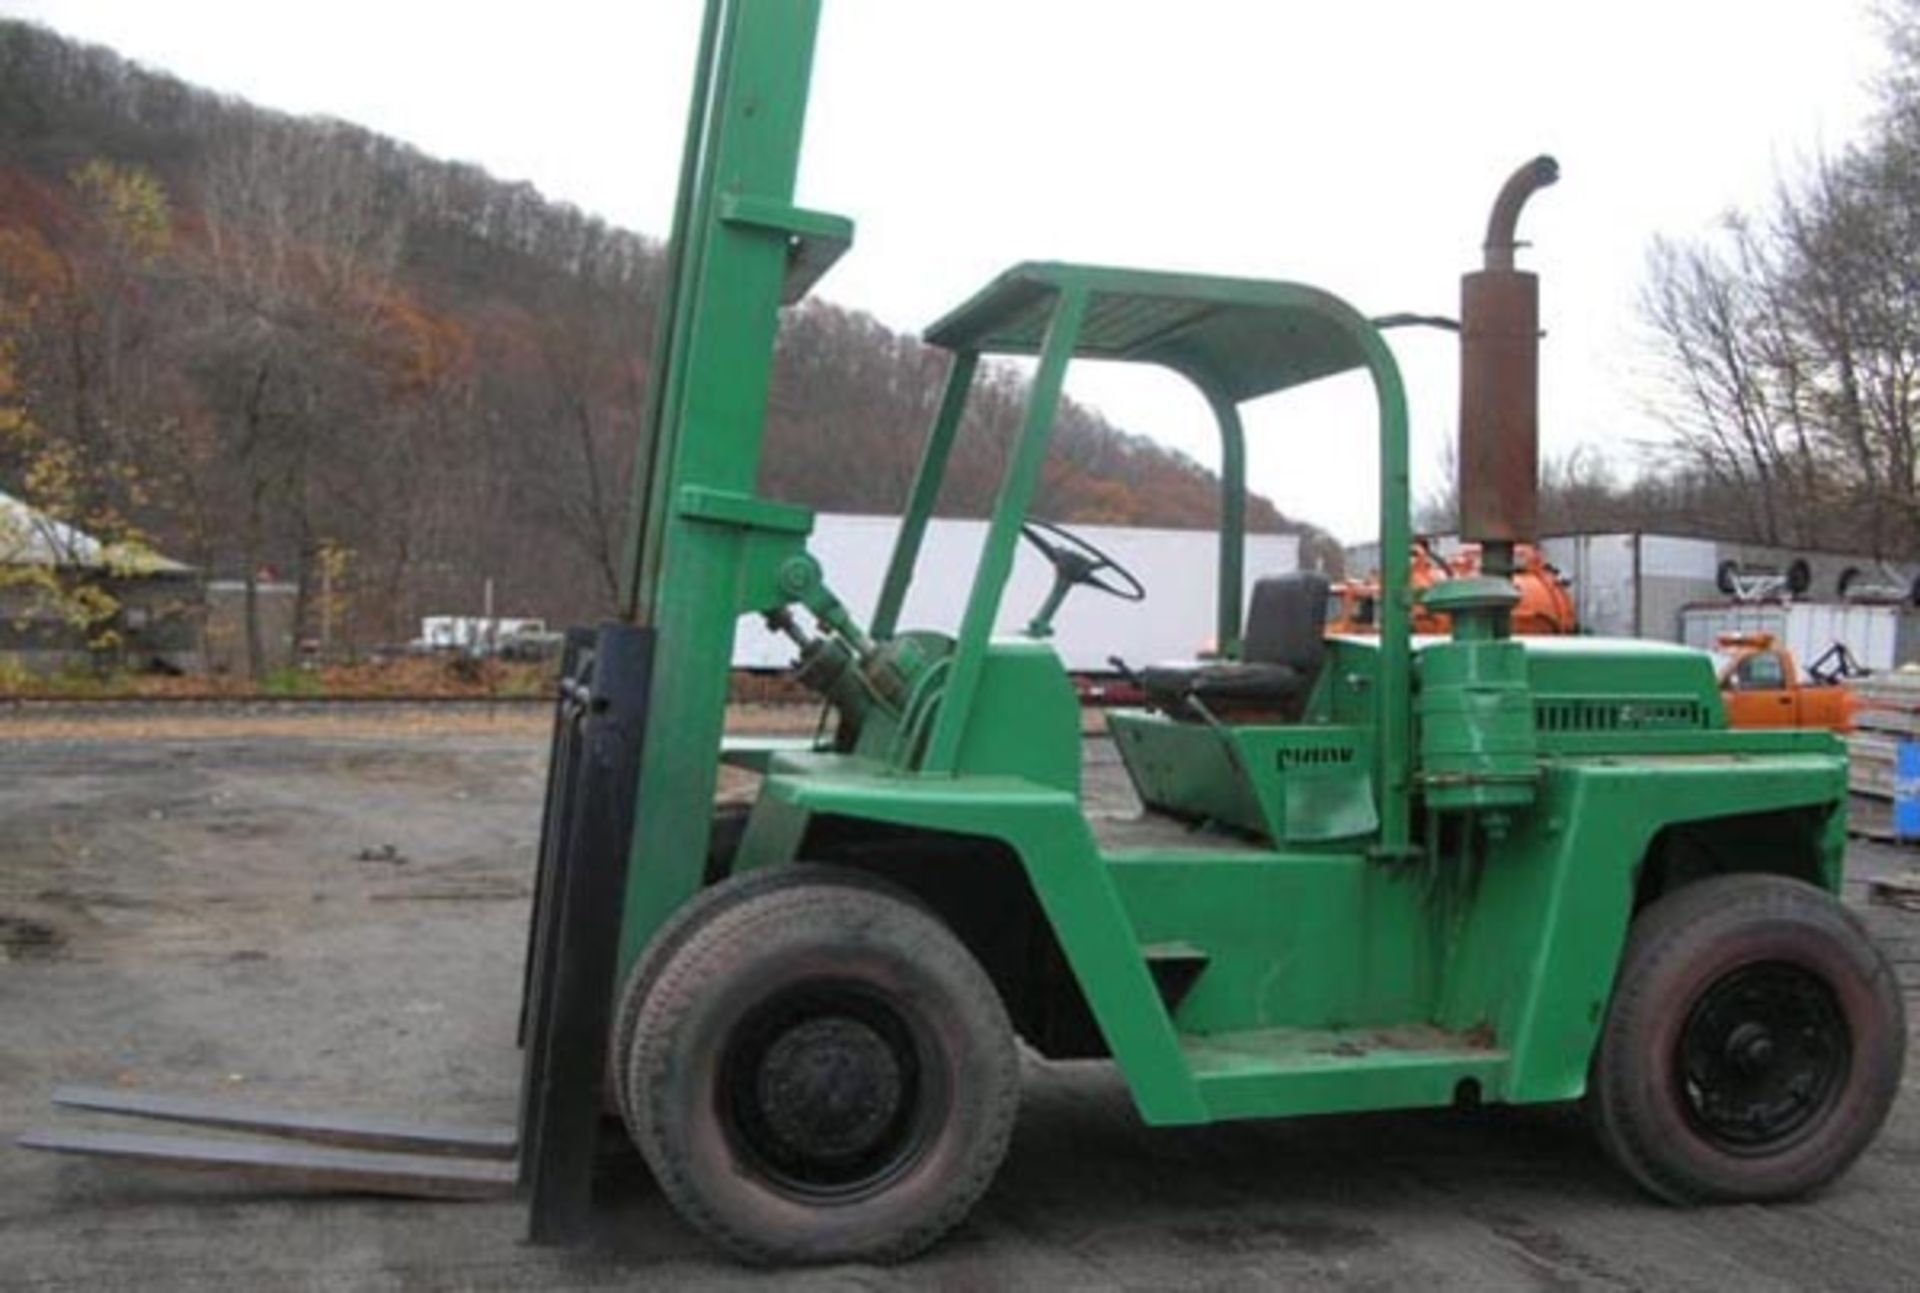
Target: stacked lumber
(1888, 702)
(1888, 713)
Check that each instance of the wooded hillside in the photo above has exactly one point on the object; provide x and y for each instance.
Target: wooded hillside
(268, 343)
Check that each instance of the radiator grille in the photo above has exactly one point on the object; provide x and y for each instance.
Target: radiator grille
(1619, 714)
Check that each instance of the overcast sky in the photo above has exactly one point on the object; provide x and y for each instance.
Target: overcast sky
(1354, 146)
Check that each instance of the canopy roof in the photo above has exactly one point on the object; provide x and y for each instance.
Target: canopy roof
(1236, 337)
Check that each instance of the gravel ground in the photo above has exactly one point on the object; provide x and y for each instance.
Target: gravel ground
(324, 911)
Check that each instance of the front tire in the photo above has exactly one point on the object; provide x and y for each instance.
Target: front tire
(1754, 1044)
(820, 1071)
(713, 899)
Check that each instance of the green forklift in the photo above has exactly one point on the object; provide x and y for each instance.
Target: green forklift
(1366, 874)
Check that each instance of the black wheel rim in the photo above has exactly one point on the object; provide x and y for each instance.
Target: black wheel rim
(828, 1092)
(1763, 1057)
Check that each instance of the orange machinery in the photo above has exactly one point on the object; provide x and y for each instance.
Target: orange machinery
(1546, 607)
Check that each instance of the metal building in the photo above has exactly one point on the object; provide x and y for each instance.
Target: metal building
(160, 604)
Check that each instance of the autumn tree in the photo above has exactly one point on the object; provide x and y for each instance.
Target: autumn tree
(72, 344)
(593, 342)
(300, 243)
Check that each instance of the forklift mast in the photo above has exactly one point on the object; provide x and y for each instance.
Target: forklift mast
(704, 547)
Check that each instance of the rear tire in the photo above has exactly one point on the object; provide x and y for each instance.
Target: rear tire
(1754, 1044)
(820, 1071)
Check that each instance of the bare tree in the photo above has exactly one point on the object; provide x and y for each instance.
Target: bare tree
(1792, 343)
(299, 246)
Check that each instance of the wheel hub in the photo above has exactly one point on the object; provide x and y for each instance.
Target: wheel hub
(829, 1087)
(1763, 1054)
(825, 1094)
(1750, 1048)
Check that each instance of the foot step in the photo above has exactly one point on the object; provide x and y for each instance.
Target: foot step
(1283, 1072)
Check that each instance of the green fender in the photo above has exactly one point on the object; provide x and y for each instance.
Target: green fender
(1045, 829)
(1537, 956)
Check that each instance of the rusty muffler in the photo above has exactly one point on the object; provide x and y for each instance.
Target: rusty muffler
(1500, 384)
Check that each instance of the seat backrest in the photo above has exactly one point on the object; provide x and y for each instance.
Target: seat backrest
(1287, 621)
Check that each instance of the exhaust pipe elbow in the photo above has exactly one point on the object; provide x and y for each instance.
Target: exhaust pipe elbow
(1521, 185)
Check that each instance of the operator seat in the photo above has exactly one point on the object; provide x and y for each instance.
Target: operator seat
(1281, 655)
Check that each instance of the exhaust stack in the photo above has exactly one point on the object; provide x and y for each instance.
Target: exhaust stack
(1500, 384)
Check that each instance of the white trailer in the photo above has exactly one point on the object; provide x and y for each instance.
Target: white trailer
(1880, 637)
(1641, 585)
(1178, 568)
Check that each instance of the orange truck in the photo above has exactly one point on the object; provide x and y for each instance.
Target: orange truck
(1763, 686)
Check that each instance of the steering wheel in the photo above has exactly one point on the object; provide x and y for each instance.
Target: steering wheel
(1075, 561)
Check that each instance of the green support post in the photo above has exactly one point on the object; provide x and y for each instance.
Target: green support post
(1394, 712)
(996, 560)
(926, 493)
(1233, 523)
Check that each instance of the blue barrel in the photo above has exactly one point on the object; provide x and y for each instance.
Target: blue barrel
(1906, 790)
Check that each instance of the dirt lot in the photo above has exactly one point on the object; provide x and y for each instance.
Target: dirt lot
(328, 910)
